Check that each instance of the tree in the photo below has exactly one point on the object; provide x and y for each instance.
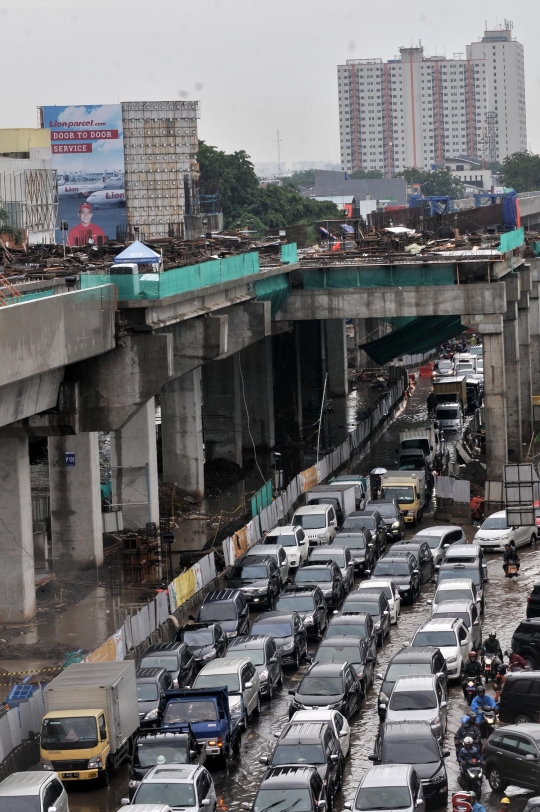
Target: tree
(521, 171)
(7, 230)
(365, 174)
(237, 179)
(438, 182)
(306, 177)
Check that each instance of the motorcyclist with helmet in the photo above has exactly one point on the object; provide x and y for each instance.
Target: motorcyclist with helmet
(509, 557)
(467, 730)
(480, 701)
(492, 646)
(476, 807)
(516, 660)
(472, 671)
(498, 681)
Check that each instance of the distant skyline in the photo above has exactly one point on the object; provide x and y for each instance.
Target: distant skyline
(257, 66)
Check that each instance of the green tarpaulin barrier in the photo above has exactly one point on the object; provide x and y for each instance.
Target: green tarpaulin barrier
(377, 276)
(289, 253)
(275, 289)
(420, 335)
(511, 240)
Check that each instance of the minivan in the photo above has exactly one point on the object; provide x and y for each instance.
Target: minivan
(411, 662)
(318, 522)
(229, 608)
(519, 702)
(36, 791)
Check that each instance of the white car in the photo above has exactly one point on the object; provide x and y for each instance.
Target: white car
(318, 522)
(278, 553)
(456, 589)
(390, 590)
(334, 718)
(180, 786)
(293, 540)
(495, 533)
(240, 677)
(440, 538)
(419, 698)
(451, 637)
(469, 614)
(463, 553)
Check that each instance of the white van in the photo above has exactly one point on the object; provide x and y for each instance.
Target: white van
(449, 416)
(318, 522)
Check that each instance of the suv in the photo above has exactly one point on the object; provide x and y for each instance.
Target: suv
(354, 624)
(395, 786)
(376, 603)
(404, 571)
(519, 702)
(207, 641)
(422, 552)
(258, 578)
(341, 556)
(170, 747)
(391, 515)
(419, 699)
(34, 790)
(288, 632)
(473, 569)
(355, 651)
(455, 590)
(368, 520)
(315, 743)
(325, 575)
(293, 784)
(176, 658)
(533, 602)
(361, 547)
(526, 641)
(463, 553)
(512, 756)
(229, 608)
(440, 539)
(240, 677)
(411, 662)
(151, 686)
(469, 614)
(393, 746)
(264, 654)
(310, 605)
(391, 591)
(278, 555)
(179, 786)
(451, 636)
(319, 523)
(293, 539)
(328, 685)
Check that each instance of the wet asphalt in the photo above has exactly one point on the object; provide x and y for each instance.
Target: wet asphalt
(505, 606)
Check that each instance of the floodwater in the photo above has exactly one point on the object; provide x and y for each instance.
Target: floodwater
(505, 605)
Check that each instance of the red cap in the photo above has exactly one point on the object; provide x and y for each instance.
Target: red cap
(85, 206)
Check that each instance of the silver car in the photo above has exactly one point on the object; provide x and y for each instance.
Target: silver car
(419, 699)
(389, 787)
(440, 539)
(36, 791)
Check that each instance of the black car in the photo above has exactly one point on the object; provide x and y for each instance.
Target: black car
(362, 549)
(326, 576)
(258, 579)
(328, 685)
(151, 686)
(355, 651)
(176, 658)
(393, 746)
(354, 624)
(288, 631)
(526, 641)
(362, 520)
(404, 571)
(376, 603)
(533, 602)
(298, 784)
(229, 608)
(512, 756)
(314, 743)
(421, 550)
(178, 747)
(207, 641)
(310, 605)
(519, 702)
(341, 556)
(392, 517)
(411, 662)
(263, 652)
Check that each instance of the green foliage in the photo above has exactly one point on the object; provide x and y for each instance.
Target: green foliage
(365, 174)
(438, 182)
(248, 205)
(521, 171)
(7, 230)
(306, 177)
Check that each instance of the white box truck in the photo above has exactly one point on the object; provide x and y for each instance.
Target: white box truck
(344, 492)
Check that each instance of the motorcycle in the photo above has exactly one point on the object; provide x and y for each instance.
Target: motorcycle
(471, 688)
(470, 778)
(512, 570)
(487, 725)
(491, 662)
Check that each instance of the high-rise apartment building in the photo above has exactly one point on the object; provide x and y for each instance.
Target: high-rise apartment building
(416, 110)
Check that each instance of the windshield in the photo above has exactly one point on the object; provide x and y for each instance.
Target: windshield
(298, 754)
(217, 611)
(70, 733)
(286, 540)
(218, 681)
(404, 494)
(383, 798)
(434, 638)
(471, 573)
(352, 542)
(170, 663)
(313, 574)
(387, 510)
(256, 655)
(298, 603)
(423, 752)
(197, 710)
(358, 523)
(452, 595)
(321, 686)
(250, 571)
(420, 443)
(201, 637)
(275, 628)
(415, 700)
(441, 365)
(340, 654)
(406, 670)
(495, 523)
(325, 555)
(447, 414)
(372, 607)
(346, 630)
(412, 465)
(146, 691)
(281, 799)
(383, 567)
(173, 753)
(310, 521)
(432, 541)
(173, 794)
(30, 803)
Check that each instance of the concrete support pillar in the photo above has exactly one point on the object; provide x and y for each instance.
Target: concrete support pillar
(182, 433)
(257, 383)
(525, 369)
(222, 412)
(495, 404)
(512, 369)
(360, 338)
(17, 582)
(534, 328)
(76, 523)
(336, 358)
(298, 369)
(134, 469)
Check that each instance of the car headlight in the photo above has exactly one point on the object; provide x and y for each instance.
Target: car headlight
(409, 513)
(152, 714)
(263, 676)
(435, 722)
(95, 763)
(133, 784)
(377, 624)
(288, 647)
(451, 660)
(46, 764)
(209, 655)
(383, 697)
(395, 525)
(232, 634)
(309, 620)
(293, 562)
(326, 592)
(334, 706)
(439, 776)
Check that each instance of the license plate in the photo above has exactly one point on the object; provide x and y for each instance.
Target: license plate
(489, 549)
(70, 775)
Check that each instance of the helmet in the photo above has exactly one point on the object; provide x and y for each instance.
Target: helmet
(501, 669)
(481, 689)
(161, 760)
(472, 655)
(472, 796)
(465, 720)
(505, 800)
(468, 742)
(493, 634)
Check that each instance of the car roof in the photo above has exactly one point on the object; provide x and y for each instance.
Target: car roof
(150, 674)
(285, 528)
(438, 530)
(439, 623)
(415, 683)
(407, 730)
(288, 775)
(183, 773)
(314, 715)
(415, 655)
(248, 641)
(326, 548)
(377, 579)
(224, 665)
(326, 669)
(222, 595)
(350, 617)
(146, 808)
(260, 550)
(320, 565)
(532, 730)
(275, 616)
(340, 640)
(249, 559)
(301, 732)
(303, 511)
(457, 606)
(27, 783)
(366, 595)
(387, 775)
(453, 583)
(297, 590)
(449, 565)
(472, 547)
(159, 648)
(515, 675)
(397, 556)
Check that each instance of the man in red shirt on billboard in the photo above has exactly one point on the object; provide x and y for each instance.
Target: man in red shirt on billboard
(86, 230)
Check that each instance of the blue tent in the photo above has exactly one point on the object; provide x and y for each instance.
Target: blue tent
(138, 253)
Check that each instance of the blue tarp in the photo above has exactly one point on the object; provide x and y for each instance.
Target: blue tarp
(138, 253)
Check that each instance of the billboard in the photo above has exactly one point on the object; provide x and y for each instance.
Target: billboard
(87, 145)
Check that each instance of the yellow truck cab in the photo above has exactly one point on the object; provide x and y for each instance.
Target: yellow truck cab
(408, 488)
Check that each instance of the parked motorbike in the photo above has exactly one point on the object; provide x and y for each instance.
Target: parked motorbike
(470, 778)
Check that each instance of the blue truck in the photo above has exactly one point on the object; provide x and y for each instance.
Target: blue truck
(214, 717)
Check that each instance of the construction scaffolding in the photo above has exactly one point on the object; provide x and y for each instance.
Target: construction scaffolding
(31, 200)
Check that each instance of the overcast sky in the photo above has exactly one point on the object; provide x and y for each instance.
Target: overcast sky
(255, 65)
